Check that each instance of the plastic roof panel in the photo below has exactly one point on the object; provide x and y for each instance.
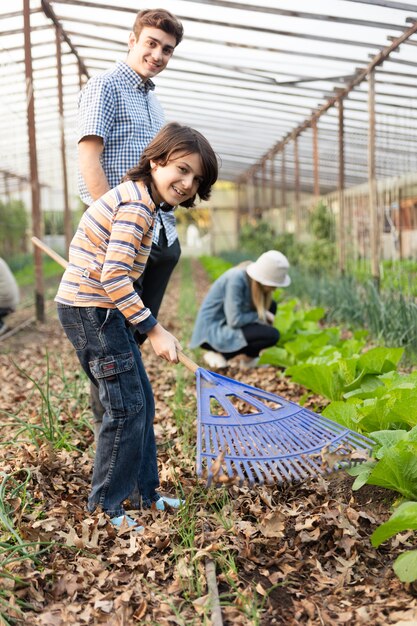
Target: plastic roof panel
(246, 75)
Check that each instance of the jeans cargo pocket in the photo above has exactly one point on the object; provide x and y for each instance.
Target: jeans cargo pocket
(120, 388)
(71, 322)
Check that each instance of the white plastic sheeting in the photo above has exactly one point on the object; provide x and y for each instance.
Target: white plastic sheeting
(245, 75)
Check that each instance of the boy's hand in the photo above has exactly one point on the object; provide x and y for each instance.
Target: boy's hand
(164, 344)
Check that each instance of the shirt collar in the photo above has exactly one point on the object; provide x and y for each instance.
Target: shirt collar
(133, 78)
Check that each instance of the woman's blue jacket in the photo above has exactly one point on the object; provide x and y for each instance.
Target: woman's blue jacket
(225, 309)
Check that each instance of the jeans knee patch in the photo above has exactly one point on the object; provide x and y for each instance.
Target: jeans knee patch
(119, 384)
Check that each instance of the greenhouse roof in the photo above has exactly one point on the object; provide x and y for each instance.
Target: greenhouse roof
(250, 77)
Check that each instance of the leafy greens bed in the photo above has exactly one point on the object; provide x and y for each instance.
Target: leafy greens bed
(368, 394)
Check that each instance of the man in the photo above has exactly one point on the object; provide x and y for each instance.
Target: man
(118, 116)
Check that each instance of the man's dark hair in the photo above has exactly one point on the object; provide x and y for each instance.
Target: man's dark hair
(158, 18)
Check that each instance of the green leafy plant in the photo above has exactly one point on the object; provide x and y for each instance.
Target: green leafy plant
(321, 222)
(397, 470)
(403, 518)
(256, 237)
(395, 464)
(388, 401)
(13, 227)
(332, 375)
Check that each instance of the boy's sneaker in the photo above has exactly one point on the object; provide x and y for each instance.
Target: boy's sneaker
(3, 327)
(164, 501)
(215, 360)
(125, 520)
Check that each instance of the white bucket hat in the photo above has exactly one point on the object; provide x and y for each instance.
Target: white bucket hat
(271, 269)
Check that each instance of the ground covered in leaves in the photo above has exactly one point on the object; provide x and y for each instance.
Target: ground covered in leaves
(283, 555)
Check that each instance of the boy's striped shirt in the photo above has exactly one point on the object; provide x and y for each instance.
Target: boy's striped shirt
(109, 251)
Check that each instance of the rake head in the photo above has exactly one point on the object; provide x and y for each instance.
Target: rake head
(247, 434)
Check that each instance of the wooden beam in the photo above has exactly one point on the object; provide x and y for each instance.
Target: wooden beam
(316, 188)
(341, 188)
(272, 180)
(6, 16)
(402, 6)
(35, 189)
(297, 217)
(283, 190)
(67, 212)
(373, 202)
(263, 187)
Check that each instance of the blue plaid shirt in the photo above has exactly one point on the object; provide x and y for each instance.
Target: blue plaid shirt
(118, 106)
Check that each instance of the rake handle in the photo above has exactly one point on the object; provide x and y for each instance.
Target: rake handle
(184, 359)
(189, 363)
(54, 255)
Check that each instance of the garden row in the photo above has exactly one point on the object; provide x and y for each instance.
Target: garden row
(367, 393)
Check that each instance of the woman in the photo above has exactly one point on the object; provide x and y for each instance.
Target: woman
(236, 316)
(9, 294)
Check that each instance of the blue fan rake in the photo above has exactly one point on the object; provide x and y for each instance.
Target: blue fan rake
(249, 435)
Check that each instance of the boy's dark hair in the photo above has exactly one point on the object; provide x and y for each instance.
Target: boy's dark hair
(158, 18)
(176, 138)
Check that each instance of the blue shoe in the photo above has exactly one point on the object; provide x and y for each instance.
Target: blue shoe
(118, 521)
(173, 503)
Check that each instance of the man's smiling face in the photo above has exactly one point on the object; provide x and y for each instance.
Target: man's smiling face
(150, 54)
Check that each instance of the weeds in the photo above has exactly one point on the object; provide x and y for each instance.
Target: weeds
(13, 548)
(50, 425)
(388, 315)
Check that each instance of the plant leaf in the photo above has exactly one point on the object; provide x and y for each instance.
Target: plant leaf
(343, 413)
(361, 472)
(380, 360)
(403, 518)
(397, 470)
(369, 387)
(405, 566)
(396, 409)
(386, 439)
(276, 356)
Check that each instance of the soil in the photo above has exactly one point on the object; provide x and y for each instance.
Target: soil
(285, 555)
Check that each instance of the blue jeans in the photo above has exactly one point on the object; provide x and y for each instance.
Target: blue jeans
(125, 461)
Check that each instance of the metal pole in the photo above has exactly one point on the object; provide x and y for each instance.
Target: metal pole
(272, 183)
(341, 187)
(35, 189)
(373, 205)
(80, 76)
(263, 189)
(400, 224)
(297, 188)
(239, 210)
(251, 195)
(7, 187)
(246, 199)
(316, 158)
(283, 192)
(256, 194)
(67, 212)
